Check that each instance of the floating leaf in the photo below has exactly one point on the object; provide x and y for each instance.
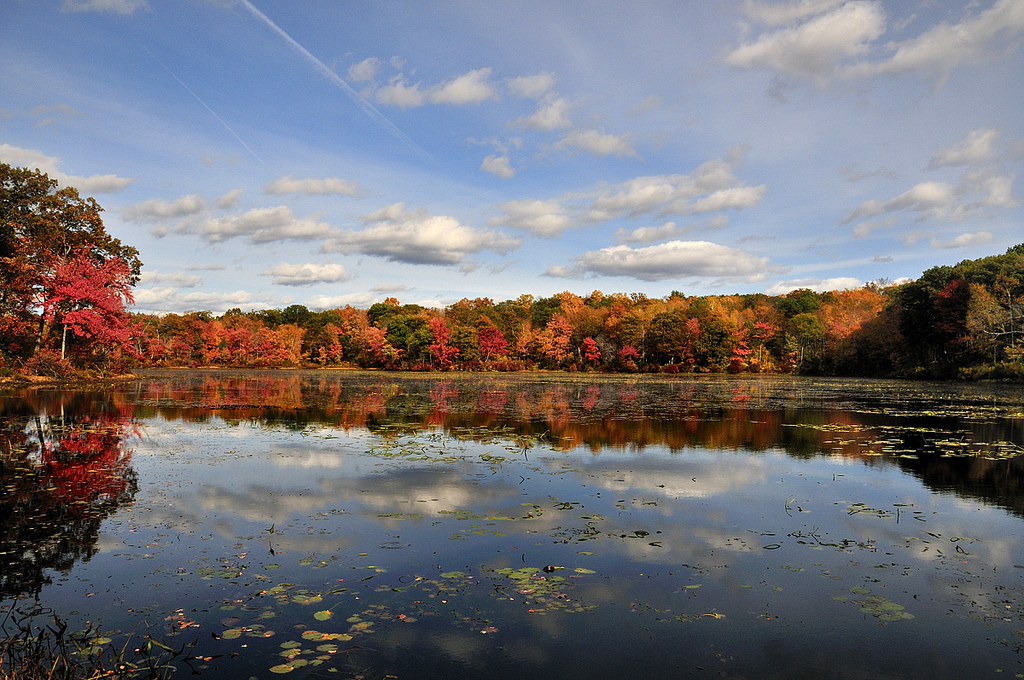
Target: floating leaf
(232, 633)
(282, 668)
(322, 615)
(581, 570)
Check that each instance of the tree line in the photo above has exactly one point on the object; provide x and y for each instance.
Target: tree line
(67, 290)
(965, 320)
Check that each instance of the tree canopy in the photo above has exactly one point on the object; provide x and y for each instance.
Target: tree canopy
(59, 267)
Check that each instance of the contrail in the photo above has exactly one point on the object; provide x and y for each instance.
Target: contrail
(198, 99)
(366, 106)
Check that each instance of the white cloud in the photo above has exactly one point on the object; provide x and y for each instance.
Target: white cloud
(673, 194)
(824, 38)
(546, 219)
(399, 93)
(469, 88)
(980, 238)
(156, 210)
(551, 114)
(929, 199)
(115, 6)
(643, 235)
(672, 260)
(229, 200)
(976, 147)
(171, 300)
(736, 198)
(417, 238)
(983, 186)
(816, 47)
(307, 274)
(945, 46)
(357, 300)
(364, 70)
(976, 191)
(783, 13)
(177, 279)
(498, 166)
(36, 160)
(531, 87)
(817, 285)
(311, 186)
(264, 225)
(598, 143)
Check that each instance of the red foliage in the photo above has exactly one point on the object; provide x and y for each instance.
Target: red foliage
(492, 342)
(441, 349)
(89, 298)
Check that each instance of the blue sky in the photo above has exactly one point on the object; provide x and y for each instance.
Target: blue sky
(263, 153)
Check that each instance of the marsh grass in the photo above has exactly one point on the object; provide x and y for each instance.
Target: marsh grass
(36, 644)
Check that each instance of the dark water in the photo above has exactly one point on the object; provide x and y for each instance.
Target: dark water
(372, 525)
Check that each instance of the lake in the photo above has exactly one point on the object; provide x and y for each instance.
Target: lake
(544, 526)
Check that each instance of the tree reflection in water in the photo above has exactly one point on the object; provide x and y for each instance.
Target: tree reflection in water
(65, 467)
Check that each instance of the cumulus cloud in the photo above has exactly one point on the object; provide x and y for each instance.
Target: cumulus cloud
(364, 70)
(735, 198)
(311, 186)
(307, 274)
(229, 200)
(822, 39)
(643, 235)
(177, 279)
(817, 285)
(928, 199)
(551, 114)
(598, 143)
(816, 47)
(469, 88)
(472, 87)
(164, 300)
(399, 93)
(417, 237)
(979, 190)
(499, 166)
(357, 300)
(672, 260)
(264, 225)
(979, 238)
(116, 6)
(156, 210)
(531, 87)
(977, 147)
(780, 14)
(943, 47)
(36, 160)
(713, 184)
(547, 219)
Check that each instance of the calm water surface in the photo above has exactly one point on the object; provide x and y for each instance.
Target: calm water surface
(357, 525)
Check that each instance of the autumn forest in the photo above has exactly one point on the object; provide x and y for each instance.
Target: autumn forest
(67, 293)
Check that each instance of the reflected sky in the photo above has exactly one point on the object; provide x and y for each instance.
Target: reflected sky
(554, 527)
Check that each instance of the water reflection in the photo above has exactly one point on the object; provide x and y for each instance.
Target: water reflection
(962, 438)
(65, 467)
(375, 525)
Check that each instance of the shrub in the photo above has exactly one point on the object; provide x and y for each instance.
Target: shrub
(49, 363)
